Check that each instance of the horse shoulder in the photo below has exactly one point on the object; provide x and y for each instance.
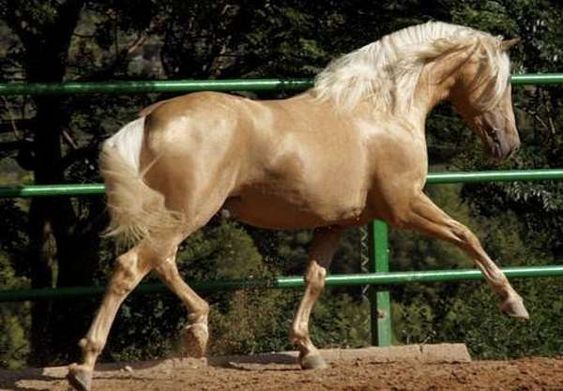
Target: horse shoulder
(398, 167)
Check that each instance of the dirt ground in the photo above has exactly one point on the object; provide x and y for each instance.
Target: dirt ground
(363, 373)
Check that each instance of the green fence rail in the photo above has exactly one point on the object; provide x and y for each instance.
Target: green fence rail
(379, 270)
(133, 87)
(28, 191)
(290, 282)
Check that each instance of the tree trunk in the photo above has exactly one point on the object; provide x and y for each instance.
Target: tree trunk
(52, 219)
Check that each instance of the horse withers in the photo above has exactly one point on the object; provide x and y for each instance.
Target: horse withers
(349, 150)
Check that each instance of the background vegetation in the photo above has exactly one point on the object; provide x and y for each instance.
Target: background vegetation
(48, 242)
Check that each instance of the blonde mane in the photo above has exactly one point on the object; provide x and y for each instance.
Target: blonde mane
(386, 72)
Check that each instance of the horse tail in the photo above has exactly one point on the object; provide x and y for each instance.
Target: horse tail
(137, 212)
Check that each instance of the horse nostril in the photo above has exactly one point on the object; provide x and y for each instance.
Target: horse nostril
(513, 151)
(517, 144)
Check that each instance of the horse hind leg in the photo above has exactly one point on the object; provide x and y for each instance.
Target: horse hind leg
(201, 210)
(196, 333)
(129, 270)
(155, 254)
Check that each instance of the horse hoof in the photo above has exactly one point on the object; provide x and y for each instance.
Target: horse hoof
(514, 307)
(195, 340)
(79, 378)
(313, 362)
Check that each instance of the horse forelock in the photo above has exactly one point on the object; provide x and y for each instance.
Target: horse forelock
(385, 73)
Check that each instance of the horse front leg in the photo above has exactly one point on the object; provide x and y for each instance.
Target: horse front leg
(426, 217)
(323, 247)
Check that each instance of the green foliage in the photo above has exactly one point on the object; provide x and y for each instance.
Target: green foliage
(252, 321)
(14, 317)
(477, 322)
(468, 313)
(14, 345)
(340, 320)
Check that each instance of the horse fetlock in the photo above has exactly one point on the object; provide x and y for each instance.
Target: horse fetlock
(306, 348)
(296, 339)
(200, 315)
(299, 334)
(90, 346)
(195, 340)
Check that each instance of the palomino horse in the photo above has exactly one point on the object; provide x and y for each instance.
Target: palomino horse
(350, 150)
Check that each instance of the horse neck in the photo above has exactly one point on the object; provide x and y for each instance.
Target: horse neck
(428, 92)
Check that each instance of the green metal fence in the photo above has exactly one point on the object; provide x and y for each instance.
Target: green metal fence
(379, 255)
(132, 87)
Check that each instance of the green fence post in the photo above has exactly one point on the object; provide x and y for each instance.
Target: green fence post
(380, 300)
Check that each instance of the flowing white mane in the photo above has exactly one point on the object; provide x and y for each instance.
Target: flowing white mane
(386, 72)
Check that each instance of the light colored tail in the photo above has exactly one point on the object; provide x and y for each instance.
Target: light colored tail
(137, 211)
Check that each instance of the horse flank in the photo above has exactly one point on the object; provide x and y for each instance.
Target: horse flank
(386, 72)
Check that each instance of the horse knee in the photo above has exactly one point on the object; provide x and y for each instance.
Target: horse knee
(462, 236)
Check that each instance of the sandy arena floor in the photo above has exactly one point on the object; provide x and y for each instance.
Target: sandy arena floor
(365, 372)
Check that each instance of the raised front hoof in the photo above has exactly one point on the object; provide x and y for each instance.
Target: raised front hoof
(514, 307)
(195, 340)
(312, 362)
(79, 378)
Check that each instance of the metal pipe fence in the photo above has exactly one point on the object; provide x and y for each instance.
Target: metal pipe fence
(380, 274)
(289, 282)
(153, 86)
(437, 178)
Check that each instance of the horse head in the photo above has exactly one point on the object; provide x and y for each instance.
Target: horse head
(483, 96)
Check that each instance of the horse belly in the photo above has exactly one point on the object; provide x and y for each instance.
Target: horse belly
(278, 212)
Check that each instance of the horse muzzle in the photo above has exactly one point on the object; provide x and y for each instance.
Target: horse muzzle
(501, 145)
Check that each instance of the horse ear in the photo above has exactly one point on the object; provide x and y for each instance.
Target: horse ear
(508, 43)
